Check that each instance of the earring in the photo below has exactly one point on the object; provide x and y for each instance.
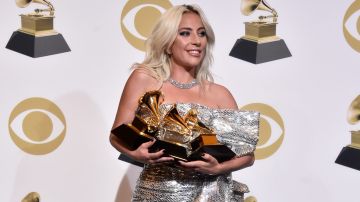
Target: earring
(168, 51)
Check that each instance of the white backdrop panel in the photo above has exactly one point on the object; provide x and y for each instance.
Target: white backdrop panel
(311, 91)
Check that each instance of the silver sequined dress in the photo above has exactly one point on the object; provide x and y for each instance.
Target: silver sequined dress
(168, 183)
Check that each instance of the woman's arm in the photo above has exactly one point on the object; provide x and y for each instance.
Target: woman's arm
(138, 83)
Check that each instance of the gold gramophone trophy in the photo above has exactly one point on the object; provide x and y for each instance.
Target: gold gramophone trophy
(183, 137)
(37, 37)
(350, 155)
(260, 43)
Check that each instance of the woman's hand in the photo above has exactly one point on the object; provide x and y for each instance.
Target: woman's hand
(142, 154)
(208, 166)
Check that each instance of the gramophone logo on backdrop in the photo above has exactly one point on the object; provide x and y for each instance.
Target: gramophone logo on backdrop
(351, 25)
(37, 126)
(271, 125)
(138, 19)
(37, 37)
(260, 43)
(350, 154)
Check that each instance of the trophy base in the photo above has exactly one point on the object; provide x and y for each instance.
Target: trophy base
(349, 157)
(127, 159)
(37, 46)
(177, 151)
(130, 136)
(220, 152)
(257, 53)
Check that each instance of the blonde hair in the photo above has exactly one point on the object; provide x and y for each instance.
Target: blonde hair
(163, 35)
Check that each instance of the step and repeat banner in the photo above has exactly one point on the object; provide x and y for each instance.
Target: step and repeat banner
(61, 77)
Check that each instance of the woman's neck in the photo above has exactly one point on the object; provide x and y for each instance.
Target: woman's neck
(182, 74)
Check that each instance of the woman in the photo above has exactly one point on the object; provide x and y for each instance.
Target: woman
(177, 63)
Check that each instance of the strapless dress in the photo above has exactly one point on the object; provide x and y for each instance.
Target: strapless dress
(239, 130)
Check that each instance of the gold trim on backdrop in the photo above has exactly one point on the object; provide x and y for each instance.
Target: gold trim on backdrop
(351, 40)
(144, 20)
(34, 128)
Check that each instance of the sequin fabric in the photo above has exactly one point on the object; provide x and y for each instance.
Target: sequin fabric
(170, 183)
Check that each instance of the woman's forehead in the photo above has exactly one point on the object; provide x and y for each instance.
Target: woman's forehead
(191, 20)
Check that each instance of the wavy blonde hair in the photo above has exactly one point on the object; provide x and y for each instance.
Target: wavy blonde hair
(162, 37)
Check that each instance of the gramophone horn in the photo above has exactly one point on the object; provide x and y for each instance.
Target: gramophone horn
(31, 197)
(24, 3)
(249, 6)
(354, 111)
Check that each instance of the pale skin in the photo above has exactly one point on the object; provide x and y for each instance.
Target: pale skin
(187, 52)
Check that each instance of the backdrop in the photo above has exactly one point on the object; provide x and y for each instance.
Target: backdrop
(71, 99)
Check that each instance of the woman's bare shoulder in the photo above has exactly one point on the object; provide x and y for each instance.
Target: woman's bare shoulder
(221, 95)
(142, 78)
(137, 84)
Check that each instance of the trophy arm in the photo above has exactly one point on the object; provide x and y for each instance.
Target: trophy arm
(274, 16)
(265, 6)
(51, 8)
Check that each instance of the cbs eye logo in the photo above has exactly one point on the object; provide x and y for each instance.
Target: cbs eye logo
(37, 126)
(138, 19)
(271, 131)
(351, 18)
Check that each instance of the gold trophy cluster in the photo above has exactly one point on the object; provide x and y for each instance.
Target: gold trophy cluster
(183, 137)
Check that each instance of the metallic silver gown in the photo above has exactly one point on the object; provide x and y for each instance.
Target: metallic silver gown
(169, 183)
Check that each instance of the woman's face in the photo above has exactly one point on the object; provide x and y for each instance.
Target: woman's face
(188, 49)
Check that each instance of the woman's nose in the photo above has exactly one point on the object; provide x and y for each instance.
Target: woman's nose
(196, 40)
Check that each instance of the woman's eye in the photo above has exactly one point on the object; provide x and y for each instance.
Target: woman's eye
(202, 33)
(184, 33)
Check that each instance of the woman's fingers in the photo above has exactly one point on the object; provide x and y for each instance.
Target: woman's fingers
(209, 158)
(161, 160)
(147, 144)
(192, 164)
(156, 155)
(209, 165)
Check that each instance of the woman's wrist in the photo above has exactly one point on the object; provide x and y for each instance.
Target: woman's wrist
(220, 168)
